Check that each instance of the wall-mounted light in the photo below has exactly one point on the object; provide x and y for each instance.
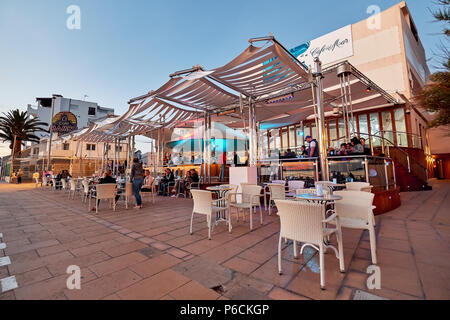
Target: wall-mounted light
(369, 89)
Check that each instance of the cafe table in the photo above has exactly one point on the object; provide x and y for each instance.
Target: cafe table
(220, 192)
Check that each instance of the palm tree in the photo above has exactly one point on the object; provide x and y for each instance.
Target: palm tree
(17, 128)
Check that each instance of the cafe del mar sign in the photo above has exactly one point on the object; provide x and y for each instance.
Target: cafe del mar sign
(330, 48)
(64, 122)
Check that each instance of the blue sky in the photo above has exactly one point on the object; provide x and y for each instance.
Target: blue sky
(126, 48)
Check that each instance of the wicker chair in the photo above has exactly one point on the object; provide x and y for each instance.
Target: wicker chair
(249, 198)
(303, 222)
(128, 193)
(358, 186)
(85, 193)
(152, 187)
(277, 192)
(104, 192)
(204, 204)
(73, 188)
(355, 211)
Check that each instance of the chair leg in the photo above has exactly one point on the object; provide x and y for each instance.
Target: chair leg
(294, 244)
(322, 267)
(97, 203)
(114, 204)
(209, 219)
(192, 219)
(270, 206)
(373, 244)
(260, 214)
(229, 221)
(251, 218)
(341, 251)
(280, 272)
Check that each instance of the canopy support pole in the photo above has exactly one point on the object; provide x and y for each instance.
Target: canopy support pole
(321, 121)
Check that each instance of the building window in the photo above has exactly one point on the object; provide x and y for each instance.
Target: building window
(285, 138)
(388, 134)
(36, 151)
(119, 149)
(400, 127)
(300, 136)
(91, 111)
(375, 129)
(292, 143)
(333, 134)
(66, 146)
(90, 147)
(363, 127)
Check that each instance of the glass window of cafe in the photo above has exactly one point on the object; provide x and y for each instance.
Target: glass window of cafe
(400, 127)
(388, 133)
(285, 139)
(292, 143)
(363, 126)
(333, 133)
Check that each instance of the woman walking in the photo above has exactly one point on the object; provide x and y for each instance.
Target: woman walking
(137, 176)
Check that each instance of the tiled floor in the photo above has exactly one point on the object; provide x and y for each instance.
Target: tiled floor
(149, 254)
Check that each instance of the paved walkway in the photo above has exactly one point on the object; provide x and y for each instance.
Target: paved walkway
(148, 254)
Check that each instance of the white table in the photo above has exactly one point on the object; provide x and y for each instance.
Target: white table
(220, 191)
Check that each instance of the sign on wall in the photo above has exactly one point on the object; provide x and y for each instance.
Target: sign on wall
(329, 48)
(64, 122)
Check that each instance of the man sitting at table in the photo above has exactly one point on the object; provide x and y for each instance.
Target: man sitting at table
(164, 184)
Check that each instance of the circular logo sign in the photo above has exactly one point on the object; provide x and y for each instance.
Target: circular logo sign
(64, 122)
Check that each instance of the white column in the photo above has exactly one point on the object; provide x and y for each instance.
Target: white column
(321, 120)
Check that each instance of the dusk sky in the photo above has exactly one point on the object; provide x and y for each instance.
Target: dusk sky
(126, 48)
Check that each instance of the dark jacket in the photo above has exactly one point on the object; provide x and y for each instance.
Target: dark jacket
(137, 171)
(107, 180)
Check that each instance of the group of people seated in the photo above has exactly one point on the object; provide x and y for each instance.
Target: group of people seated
(355, 147)
(181, 185)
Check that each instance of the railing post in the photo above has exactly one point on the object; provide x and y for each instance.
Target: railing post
(393, 172)
(366, 166)
(386, 174)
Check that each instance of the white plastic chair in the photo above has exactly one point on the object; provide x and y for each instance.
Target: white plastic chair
(64, 186)
(277, 192)
(128, 193)
(355, 211)
(85, 193)
(44, 182)
(104, 192)
(249, 198)
(72, 188)
(304, 222)
(358, 186)
(152, 187)
(204, 204)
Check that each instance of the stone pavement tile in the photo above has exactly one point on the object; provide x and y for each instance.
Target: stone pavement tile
(155, 265)
(163, 237)
(33, 276)
(178, 253)
(104, 237)
(60, 267)
(248, 283)
(116, 264)
(392, 244)
(146, 240)
(402, 280)
(94, 247)
(281, 294)
(345, 293)
(247, 241)
(28, 247)
(241, 265)
(18, 267)
(160, 246)
(222, 253)
(194, 291)
(395, 258)
(134, 235)
(112, 297)
(207, 272)
(307, 283)
(104, 286)
(168, 297)
(8, 296)
(154, 287)
(184, 240)
(156, 231)
(435, 280)
(268, 272)
(42, 289)
(115, 251)
(62, 247)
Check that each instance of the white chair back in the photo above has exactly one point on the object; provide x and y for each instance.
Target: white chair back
(106, 191)
(73, 185)
(277, 191)
(355, 205)
(279, 182)
(301, 221)
(129, 189)
(234, 189)
(44, 181)
(202, 201)
(358, 186)
(249, 191)
(85, 184)
(295, 184)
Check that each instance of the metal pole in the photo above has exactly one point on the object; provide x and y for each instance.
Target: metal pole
(51, 134)
(386, 174)
(321, 129)
(366, 166)
(12, 158)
